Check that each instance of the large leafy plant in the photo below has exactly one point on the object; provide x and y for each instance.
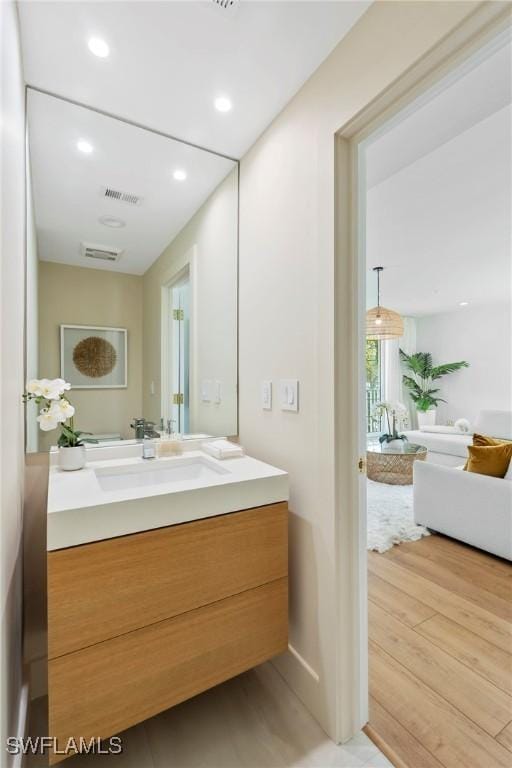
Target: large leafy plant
(420, 385)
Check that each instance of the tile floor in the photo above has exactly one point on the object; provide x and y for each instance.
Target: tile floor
(252, 721)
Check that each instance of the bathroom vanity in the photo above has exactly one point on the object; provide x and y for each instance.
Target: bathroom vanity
(165, 578)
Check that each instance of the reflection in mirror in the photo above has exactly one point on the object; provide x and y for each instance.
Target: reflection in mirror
(132, 275)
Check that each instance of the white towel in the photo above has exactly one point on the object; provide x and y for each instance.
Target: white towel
(223, 449)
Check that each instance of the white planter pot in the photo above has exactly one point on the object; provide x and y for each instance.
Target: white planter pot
(72, 458)
(426, 418)
(395, 444)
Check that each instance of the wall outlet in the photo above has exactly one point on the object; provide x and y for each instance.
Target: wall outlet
(289, 394)
(266, 395)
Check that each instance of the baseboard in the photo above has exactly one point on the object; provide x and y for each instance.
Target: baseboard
(384, 747)
(302, 661)
(21, 724)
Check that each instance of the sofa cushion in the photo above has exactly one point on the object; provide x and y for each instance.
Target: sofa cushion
(490, 460)
(452, 445)
(440, 429)
(495, 423)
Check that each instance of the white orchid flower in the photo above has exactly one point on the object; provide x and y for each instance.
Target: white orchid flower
(34, 387)
(47, 420)
(62, 385)
(50, 389)
(62, 409)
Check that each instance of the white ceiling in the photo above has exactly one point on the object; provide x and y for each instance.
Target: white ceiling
(67, 184)
(169, 60)
(440, 202)
(483, 90)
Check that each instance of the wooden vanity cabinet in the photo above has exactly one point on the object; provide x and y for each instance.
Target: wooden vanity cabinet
(139, 623)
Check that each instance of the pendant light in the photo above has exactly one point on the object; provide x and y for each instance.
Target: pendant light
(382, 323)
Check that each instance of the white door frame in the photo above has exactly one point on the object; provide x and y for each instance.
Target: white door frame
(187, 265)
(480, 30)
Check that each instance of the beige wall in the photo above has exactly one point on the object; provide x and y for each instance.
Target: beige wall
(212, 235)
(82, 296)
(287, 260)
(12, 276)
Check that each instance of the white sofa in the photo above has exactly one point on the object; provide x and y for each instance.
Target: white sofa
(451, 449)
(473, 508)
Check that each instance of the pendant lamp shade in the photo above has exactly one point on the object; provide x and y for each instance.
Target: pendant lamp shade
(382, 323)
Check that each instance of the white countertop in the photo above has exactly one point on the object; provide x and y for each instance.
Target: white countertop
(80, 510)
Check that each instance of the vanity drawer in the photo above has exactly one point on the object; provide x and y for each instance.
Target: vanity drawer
(101, 690)
(101, 590)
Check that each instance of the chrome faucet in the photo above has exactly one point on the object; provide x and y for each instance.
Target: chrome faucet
(143, 428)
(149, 430)
(139, 425)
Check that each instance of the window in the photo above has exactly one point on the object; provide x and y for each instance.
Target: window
(373, 384)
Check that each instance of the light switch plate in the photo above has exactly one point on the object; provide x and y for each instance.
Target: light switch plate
(289, 394)
(206, 391)
(266, 395)
(217, 392)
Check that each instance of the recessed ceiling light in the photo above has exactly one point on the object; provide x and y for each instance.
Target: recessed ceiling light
(84, 146)
(463, 303)
(223, 104)
(112, 221)
(179, 175)
(99, 47)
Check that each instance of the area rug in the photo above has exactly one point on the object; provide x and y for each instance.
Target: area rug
(390, 516)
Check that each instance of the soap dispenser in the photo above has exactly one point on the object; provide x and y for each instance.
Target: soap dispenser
(148, 448)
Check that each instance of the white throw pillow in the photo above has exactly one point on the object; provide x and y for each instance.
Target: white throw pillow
(508, 475)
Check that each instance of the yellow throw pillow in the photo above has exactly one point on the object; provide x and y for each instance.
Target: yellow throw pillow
(486, 440)
(490, 460)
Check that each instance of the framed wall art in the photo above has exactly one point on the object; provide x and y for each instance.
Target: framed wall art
(94, 357)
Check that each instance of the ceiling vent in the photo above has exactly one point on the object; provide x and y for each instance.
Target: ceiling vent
(122, 197)
(100, 252)
(226, 4)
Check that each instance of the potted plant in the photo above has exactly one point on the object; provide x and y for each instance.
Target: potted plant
(57, 411)
(396, 418)
(421, 391)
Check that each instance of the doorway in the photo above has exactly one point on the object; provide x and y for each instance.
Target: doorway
(351, 280)
(179, 353)
(431, 187)
(177, 350)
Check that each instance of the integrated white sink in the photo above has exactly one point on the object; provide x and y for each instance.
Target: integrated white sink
(119, 493)
(155, 472)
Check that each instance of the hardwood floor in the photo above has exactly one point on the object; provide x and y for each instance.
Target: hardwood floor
(440, 630)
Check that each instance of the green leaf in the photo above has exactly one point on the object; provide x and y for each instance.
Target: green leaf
(442, 370)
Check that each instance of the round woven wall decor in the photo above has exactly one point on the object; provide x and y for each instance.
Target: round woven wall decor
(94, 357)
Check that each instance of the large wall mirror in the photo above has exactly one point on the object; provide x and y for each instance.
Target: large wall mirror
(132, 274)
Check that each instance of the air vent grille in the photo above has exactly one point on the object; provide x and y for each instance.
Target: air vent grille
(122, 197)
(226, 4)
(101, 252)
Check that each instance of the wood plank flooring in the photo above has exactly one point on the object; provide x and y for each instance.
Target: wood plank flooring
(440, 630)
